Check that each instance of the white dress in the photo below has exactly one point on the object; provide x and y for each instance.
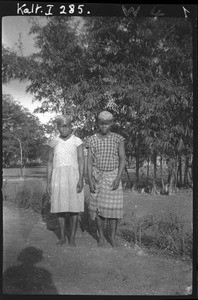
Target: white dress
(65, 175)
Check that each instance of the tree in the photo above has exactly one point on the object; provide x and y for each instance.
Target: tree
(53, 71)
(21, 131)
(140, 69)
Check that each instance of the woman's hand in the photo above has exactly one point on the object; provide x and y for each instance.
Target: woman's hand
(115, 184)
(92, 186)
(79, 186)
(49, 190)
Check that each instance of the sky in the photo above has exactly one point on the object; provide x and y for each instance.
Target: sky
(12, 28)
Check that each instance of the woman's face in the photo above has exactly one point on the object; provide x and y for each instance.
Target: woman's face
(104, 126)
(64, 129)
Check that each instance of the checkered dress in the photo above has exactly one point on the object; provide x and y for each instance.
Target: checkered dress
(105, 202)
(105, 151)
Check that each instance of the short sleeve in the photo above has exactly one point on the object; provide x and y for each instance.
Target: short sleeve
(90, 141)
(120, 138)
(78, 141)
(52, 143)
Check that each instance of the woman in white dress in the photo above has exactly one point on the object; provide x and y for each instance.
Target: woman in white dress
(65, 168)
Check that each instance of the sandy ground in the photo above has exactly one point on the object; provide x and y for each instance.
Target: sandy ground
(34, 264)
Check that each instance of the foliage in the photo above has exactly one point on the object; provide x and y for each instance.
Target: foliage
(138, 68)
(20, 127)
(53, 70)
(165, 232)
(26, 194)
(150, 97)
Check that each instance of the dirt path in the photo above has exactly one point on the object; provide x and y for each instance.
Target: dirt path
(34, 264)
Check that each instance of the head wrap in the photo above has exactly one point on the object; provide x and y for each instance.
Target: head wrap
(105, 116)
(63, 119)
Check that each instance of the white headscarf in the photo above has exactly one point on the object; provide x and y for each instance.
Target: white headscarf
(105, 116)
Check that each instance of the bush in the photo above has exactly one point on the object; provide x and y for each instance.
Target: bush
(25, 193)
(35, 164)
(168, 232)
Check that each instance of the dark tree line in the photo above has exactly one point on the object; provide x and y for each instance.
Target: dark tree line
(23, 137)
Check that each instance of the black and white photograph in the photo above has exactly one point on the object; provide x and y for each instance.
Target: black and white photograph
(97, 149)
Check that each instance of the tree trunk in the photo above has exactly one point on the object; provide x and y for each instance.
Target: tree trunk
(21, 169)
(161, 172)
(190, 170)
(161, 166)
(179, 171)
(172, 176)
(137, 168)
(190, 178)
(147, 171)
(155, 166)
(154, 190)
(164, 189)
(170, 188)
(186, 171)
(175, 170)
(128, 176)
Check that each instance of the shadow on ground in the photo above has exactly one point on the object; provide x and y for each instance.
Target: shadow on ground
(86, 224)
(52, 224)
(27, 278)
(50, 219)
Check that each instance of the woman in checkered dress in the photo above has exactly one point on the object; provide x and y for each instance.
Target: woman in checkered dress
(106, 162)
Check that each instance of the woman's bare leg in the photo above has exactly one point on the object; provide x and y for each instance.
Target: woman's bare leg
(61, 220)
(100, 226)
(73, 227)
(113, 226)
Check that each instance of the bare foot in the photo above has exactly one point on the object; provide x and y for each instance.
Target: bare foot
(61, 242)
(101, 242)
(72, 243)
(114, 243)
(67, 235)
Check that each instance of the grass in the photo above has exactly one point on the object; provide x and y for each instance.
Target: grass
(160, 222)
(33, 172)
(26, 193)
